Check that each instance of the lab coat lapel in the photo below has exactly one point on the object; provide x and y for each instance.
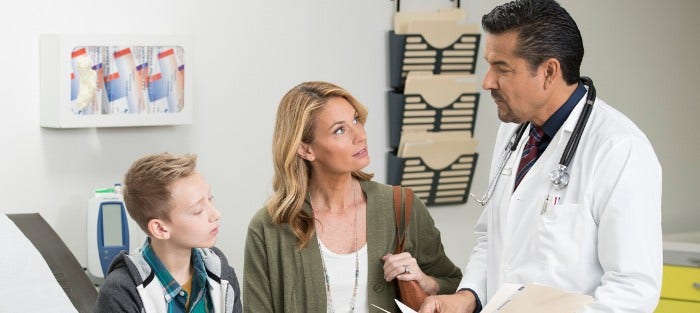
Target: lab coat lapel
(519, 206)
(539, 173)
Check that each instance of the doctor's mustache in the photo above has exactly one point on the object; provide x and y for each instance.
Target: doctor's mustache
(496, 95)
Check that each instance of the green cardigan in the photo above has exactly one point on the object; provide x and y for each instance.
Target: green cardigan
(279, 277)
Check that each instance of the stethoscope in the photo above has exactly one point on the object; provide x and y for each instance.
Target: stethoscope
(559, 177)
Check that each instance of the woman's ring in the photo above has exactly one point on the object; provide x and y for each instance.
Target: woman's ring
(405, 269)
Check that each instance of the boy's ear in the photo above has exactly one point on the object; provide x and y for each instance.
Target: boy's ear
(306, 153)
(158, 229)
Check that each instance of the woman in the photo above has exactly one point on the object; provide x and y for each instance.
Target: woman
(323, 242)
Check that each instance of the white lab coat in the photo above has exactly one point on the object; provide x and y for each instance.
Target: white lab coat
(603, 235)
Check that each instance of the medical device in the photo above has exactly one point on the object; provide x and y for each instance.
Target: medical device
(559, 177)
(109, 230)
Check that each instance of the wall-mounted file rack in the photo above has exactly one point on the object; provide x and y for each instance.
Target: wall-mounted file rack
(439, 166)
(433, 103)
(434, 185)
(434, 42)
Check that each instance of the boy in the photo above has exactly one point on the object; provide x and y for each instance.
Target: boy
(177, 269)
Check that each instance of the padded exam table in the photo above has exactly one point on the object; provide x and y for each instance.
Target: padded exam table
(38, 273)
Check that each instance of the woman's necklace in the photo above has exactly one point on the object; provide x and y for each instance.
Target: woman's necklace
(329, 298)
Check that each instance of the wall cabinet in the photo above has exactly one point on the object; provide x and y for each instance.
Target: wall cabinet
(680, 288)
(115, 80)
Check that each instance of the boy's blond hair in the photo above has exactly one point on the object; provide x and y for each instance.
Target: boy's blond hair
(147, 185)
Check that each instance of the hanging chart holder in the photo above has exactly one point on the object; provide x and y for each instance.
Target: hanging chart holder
(431, 41)
(433, 104)
(438, 166)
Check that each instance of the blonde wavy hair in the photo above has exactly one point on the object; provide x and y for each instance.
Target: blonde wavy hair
(296, 116)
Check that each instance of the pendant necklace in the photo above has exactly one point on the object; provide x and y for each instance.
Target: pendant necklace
(329, 299)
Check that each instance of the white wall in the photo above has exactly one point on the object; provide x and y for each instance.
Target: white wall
(642, 55)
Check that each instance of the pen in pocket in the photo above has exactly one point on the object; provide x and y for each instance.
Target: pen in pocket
(544, 205)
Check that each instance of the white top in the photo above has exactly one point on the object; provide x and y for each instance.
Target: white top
(341, 275)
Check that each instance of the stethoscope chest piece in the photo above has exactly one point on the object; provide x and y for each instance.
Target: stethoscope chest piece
(559, 177)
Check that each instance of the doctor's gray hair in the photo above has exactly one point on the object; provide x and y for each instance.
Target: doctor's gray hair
(545, 30)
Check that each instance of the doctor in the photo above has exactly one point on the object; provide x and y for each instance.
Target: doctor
(600, 234)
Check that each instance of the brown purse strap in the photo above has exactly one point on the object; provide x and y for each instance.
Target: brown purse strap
(402, 207)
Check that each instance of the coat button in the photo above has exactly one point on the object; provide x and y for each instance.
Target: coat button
(378, 287)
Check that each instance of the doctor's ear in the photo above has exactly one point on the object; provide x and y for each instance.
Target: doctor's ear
(158, 229)
(306, 153)
(552, 72)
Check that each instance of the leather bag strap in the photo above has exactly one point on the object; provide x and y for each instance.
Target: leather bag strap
(403, 203)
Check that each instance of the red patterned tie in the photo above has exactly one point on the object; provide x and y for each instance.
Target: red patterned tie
(529, 154)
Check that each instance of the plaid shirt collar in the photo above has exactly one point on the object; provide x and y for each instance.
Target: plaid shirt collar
(199, 301)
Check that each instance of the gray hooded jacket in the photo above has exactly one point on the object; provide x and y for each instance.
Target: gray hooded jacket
(131, 285)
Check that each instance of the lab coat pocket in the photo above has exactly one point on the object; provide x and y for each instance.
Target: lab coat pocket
(559, 232)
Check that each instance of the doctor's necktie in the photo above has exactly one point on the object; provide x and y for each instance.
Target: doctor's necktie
(530, 153)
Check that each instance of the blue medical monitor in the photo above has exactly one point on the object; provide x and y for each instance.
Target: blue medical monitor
(112, 232)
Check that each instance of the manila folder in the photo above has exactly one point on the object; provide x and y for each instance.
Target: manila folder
(543, 299)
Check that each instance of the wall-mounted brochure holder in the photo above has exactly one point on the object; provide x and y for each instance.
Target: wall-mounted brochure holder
(439, 167)
(115, 80)
(433, 103)
(434, 42)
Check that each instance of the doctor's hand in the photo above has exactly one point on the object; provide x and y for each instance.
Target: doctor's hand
(403, 266)
(460, 302)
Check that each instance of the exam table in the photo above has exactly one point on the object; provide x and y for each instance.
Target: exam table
(28, 281)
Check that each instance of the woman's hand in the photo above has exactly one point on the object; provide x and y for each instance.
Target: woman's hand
(403, 266)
